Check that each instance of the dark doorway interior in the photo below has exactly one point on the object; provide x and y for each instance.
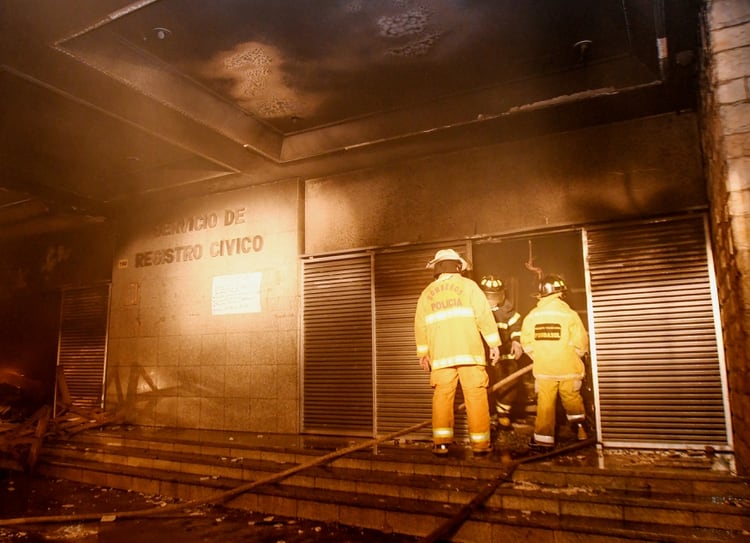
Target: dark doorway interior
(28, 347)
(520, 263)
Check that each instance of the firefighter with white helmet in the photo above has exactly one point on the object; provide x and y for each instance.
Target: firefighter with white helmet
(509, 327)
(554, 336)
(451, 318)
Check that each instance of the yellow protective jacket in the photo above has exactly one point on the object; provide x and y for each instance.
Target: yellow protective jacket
(553, 335)
(451, 313)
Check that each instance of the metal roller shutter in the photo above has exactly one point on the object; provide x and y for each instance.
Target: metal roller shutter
(337, 350)
(348, 300)
(404, 395)
(658, 363)
(82, 345)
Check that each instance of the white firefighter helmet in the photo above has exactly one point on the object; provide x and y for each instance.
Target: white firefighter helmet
(448, 254)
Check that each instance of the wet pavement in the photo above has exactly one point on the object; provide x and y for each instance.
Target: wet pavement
(24, 496)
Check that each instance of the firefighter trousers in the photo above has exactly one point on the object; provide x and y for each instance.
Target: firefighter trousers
(474, 381)
(546, 401)
(501, 401)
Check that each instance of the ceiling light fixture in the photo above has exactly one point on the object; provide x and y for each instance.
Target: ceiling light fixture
(582, 48)
(161, 33)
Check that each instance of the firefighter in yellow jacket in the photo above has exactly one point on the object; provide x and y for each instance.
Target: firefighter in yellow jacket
(451, 314)
(553, 335)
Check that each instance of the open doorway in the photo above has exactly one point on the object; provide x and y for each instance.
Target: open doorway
(520, 263)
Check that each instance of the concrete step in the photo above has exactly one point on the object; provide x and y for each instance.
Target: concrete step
(407, 490)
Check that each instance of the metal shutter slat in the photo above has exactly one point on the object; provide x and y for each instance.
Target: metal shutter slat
(404, 395)
(82, 343)
(337, 346)
(657, 364)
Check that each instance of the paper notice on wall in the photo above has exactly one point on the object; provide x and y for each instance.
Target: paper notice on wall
(236, 294)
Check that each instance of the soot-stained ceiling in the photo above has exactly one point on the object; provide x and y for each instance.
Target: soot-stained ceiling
(107, 104)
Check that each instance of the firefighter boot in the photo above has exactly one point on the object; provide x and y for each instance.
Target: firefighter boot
(540, 448)
(581, 433)
(504, 422)
(440, 449)
(503, 417)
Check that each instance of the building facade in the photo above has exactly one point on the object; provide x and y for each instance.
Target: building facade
(285, 307)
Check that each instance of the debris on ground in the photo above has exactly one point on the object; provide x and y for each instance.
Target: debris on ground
(24, 495)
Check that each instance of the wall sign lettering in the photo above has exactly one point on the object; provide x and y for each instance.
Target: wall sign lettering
(204, 221)
(236, 246)
(185, 253)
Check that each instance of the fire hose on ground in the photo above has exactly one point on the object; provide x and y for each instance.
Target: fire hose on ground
(455, 522)
(446, 528)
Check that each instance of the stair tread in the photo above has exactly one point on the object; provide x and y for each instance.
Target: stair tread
(669, 505)
(641, 531)
(465, 487)
(458, 470)
(394, 454)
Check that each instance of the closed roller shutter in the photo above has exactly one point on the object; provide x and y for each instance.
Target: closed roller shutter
(658, 367)
(83, 342)
(337, 350)
(404, 395)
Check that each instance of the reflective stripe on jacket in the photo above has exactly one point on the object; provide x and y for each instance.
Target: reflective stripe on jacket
(553, 335)
(508, 324)
(451, 313)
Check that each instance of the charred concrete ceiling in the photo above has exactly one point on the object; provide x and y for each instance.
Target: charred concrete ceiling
(107, 104)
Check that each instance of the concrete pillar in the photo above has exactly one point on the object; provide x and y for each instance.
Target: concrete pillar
(725, 115)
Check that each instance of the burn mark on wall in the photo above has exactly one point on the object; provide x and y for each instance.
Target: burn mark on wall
(416, 48)
(56, 254)
(412, 22)
(252, 67)
(253, 74)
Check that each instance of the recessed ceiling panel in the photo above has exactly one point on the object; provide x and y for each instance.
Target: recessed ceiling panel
(296, 66)
(52, 140)
(133, 100)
